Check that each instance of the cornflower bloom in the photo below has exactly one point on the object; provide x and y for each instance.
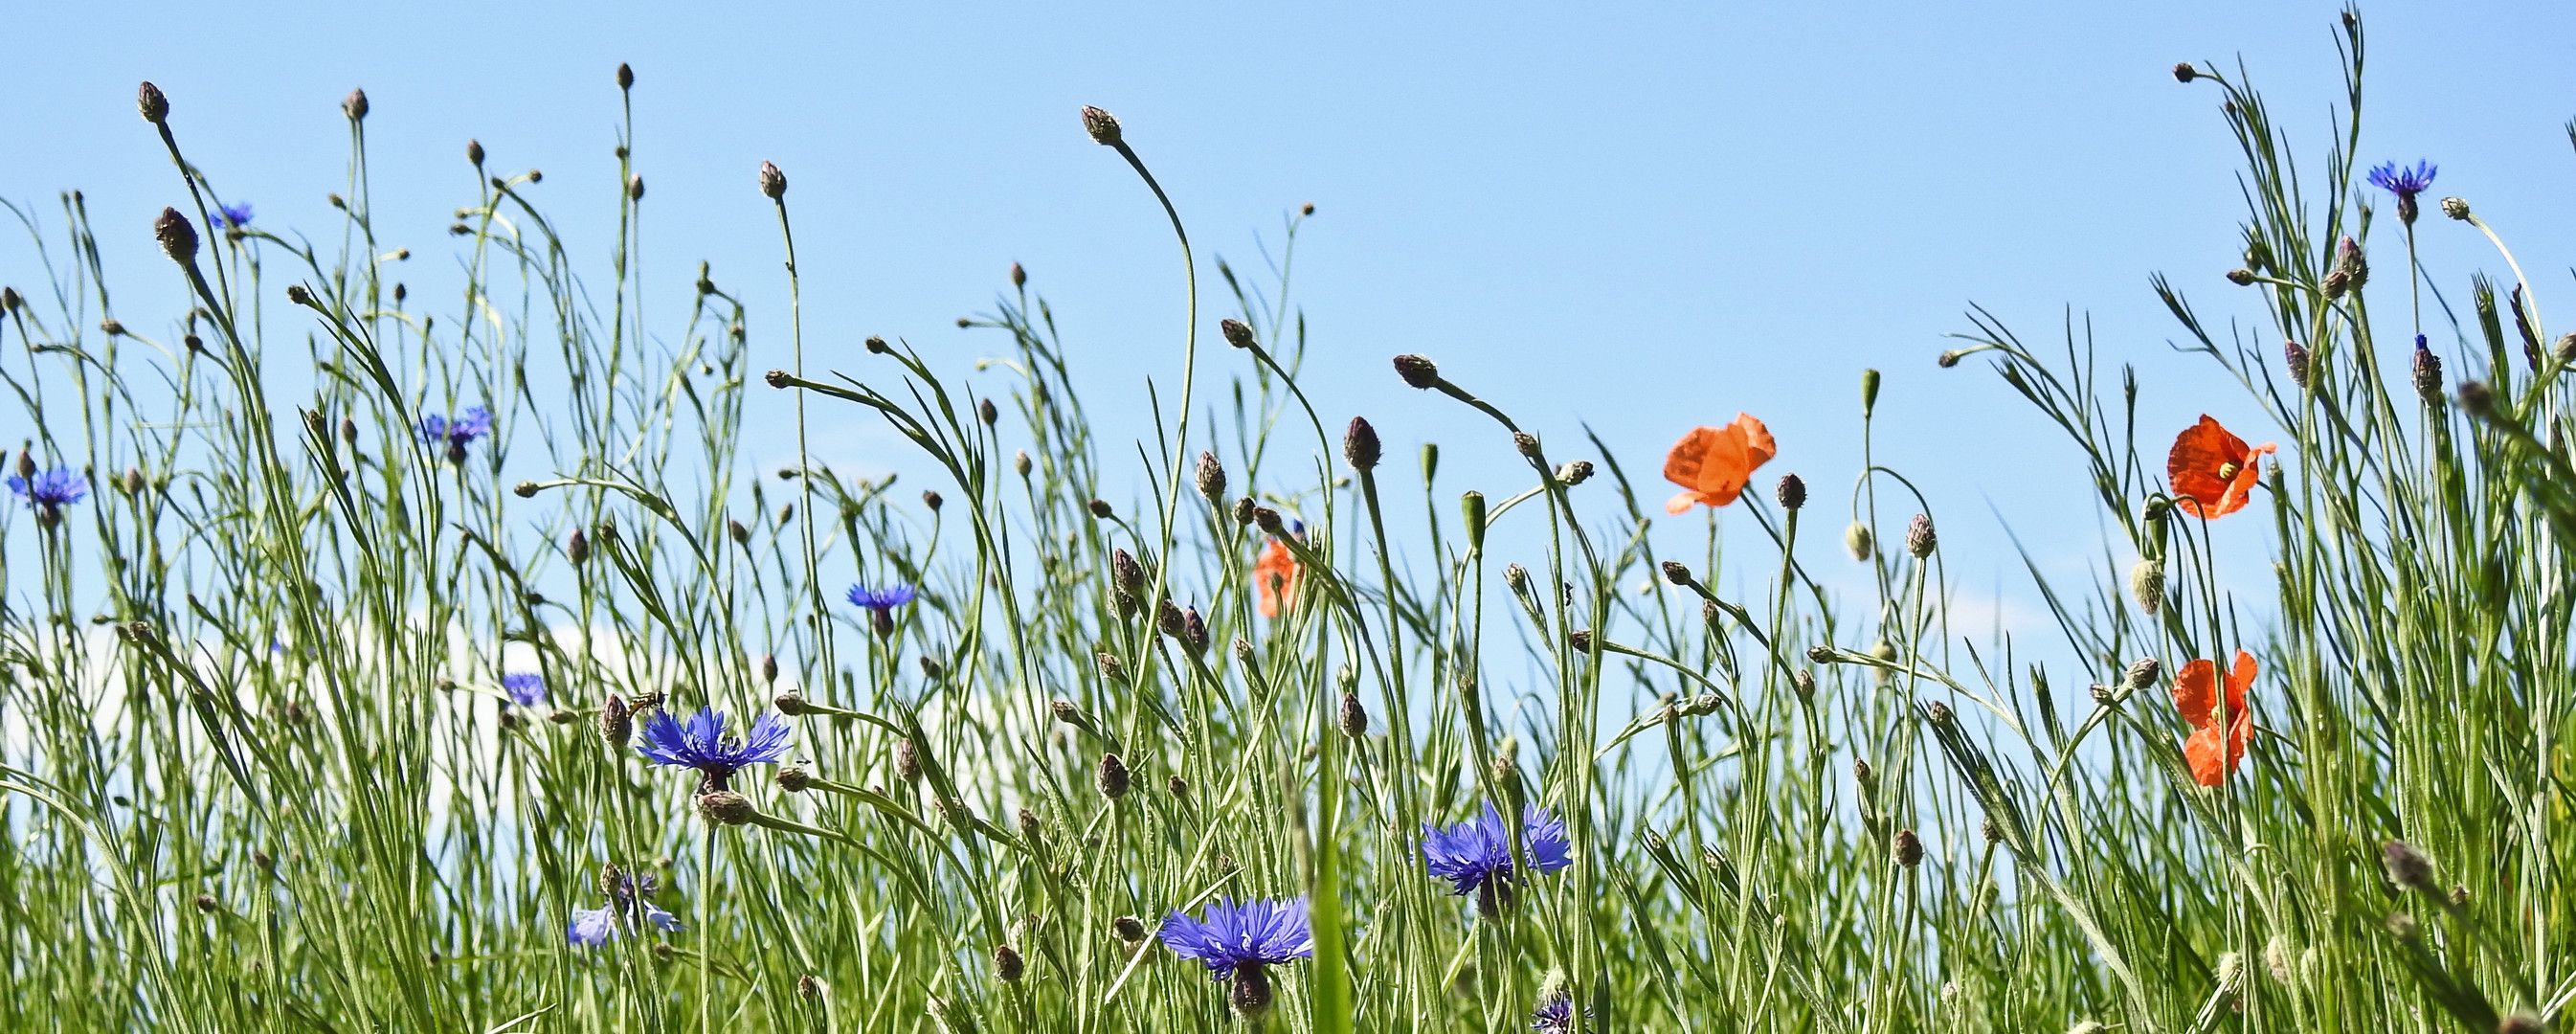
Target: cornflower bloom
(2405, 183)
(700, 743)
(626, 899)
(1475, 856)
(526, 688)
(458, 432)
(881, 604)
(1237, 941)
(1555, 1014)
(47, 492)
(232, 217)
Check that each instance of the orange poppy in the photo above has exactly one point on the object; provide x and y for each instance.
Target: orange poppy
(1713, 463)
(2212, 471)
(2195, 693)
(1275, 577)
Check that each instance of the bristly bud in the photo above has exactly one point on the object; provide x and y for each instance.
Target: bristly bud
(1020, 463)
(1243, 654)
(1792, 491)
(769, 668)
(1268, 521)
(616, 723)
(2294, 356)
(2240, 276)
(988, 412)
(725, 808)
(2143, 672)
(1068, 712)
(149, 100)
(1993, 832)
(773, 183)
(354, 105)
(1250, 993)
(2356, 267)
(1909, 848)
(1526, 442)
(2476, 397)
(1102, 126)
(524, 489)
(1574, 472)
(1007, 964)
(1919, 540)
(1417, 371)
(1112, 778)
(178, 237)
(1126, 573)
(112, 327)
(1211, 478)
(2337, 282)
(577, 548)
(2407, 867)
(1859, 541)
(297, 294)
(1676, 573)
(2455, 208)
(1937, 713)
(1112, 669)
(794, 778)
(1167, 618)
(1237, 332)
(625, 76)
(2184, 73)
(1194, 632)
(1354, 717)
(2147, 584)
(1245, 510)
(907, 760)
(2428, 372)
(1360, 445)
(1128, 928)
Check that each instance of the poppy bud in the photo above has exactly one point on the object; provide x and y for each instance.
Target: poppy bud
(1793, 492)
(2184, 73)
(907, 761)
(149, 100)
(616, 723)
(1575, 472)
(1360, 445)
(474, 152)
(2294, 356)
(725, 808)
(2428, 372)
(1868, 392)
(1909, 848)
(1417, 371)
(354, 105)
(2407, 867)
(988, 412)
(1102, 126)
(773, 183)
(1007, 964)
(1526, 442)
(2143, 672)
(1020, 462)
(1919, 540)
(1245, 510)
(1676, 573)
(2455, 208)
(1211, 478)
(2242, 277)
(1858, 540)
(1112, 778)
(1250, 994)
(577, 548)
(2147, 584)
(1237, 333)
(178, 237)
(794, 778)
(1354, 716)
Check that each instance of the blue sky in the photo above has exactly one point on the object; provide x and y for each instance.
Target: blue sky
(1642, 217)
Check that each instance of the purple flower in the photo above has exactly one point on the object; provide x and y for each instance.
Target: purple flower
(1555, 1014)
(57, 487)
(1251, 934)
(700, 743)
(526, 688)
(882, 601)
(233, 217)
(458, 432)
(2401, 181)
(1479, 850)
(593, 926)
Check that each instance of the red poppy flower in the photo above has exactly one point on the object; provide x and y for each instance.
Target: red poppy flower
(2195, 693)
(2212, 471)
(1713, 463)
(1275, 577)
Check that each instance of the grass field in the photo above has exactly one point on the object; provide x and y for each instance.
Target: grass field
(379, 701)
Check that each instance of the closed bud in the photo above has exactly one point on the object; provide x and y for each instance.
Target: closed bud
(1006, 961)
(1516, 576)
(1194, 633)
(1112, 669)
(2294, 357)
(1676, 573)
(1237, 333)
(1019, 276)
(876, 345)
(1354, 717)
(2184, 73)
(1526, 443)
(178, 238)
(931, 500)
(1793, 491)
(1102, 126)
(2428, 372)
(296, 293)
(794, 778)
(740, 533)
(773, 183)
(790, 703)
(149, 100)
(1937, 713)
(1417, 371)
(625, 76)
(1268, 521)
(769, 668)
(1868, 392)
(1909, 848)
(2476, 397)
(1360, 444)
(1859, 541)
(725, 808)
(2143, 672)
(907, 760)
(1068, 712)
(1575, 472)
(2355, 266)
(354, 105)
(1031, 829)
(930, 669)
(474, 152)
(2242, 277)
(134, 483)
(1245, 510)
(1020, 462)
(635, 187)
(1128, 929)
(616, 723)
(577, 547)
(778, 378)
(1112, 777)
(2407, 867)
(2455, 208)
(2147, 584)
(1804, 682)
(1178, 787)
(1580, 639)
(988, 412)
(1210, 478)
(1919, 539)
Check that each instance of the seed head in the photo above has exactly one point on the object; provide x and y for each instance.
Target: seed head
(1792, 492)
(1417, 371)
(354, 105)
(1102, 126)
(1676, 572)
(178, 237)
(1360, 444)
(1112, 778)
(2407, 867)
(1237, 332)
(1354, 717)
(616, 723)
(907, 761)
(2455, 208)
(1858, 540)
(2147, 584)
(773, 183)
(1919, 539)
(1909, 848)
(725, 808)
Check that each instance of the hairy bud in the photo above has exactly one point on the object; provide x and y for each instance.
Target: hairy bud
(2147, 584)
(1102, 126)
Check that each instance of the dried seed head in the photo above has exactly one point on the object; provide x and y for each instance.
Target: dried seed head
(1909, 848)
(1211, 478)
(1354, 717)
(907, 760)
(1112, 777)
(1007, 964)
(1360, 444)
(2147, 584)
(354, 105)
(1859, 541)
(1676, 572)
(1417, 371)
(616, 723)
(773, 183)
(2294, 356)
(725, 808)
(1793, 492)
(2455, 208)
(2407, 867)
(1102, 126)
(794, 778)
(1919, 539)
(1237, 333)
(2143, 672)
(1245, 510)
(178, 237)
(149, 100)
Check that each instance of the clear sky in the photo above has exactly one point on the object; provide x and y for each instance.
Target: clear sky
(1642, 217)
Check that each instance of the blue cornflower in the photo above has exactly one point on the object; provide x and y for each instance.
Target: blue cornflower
(701, 744)
(591, 926)
(233, 217)
(1475, 856)
(881, 604)
(458, 432)
(526, 688)
(57, 487)
(1555, 1014)
(2405, 183)
(1237, 940)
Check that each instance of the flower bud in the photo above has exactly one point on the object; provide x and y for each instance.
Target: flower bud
(474, 152)
(625, 76)
(2407, 867)
(1211, 478)
(1237, 333)
(1268, 520)
(1676, 573)
(988, 412)
(1517, 577)
(1417, 371)
(1126, 573)
(1360, 444)
(1909, 848)
(779, 378)
(907, 760)
(1194, 633)
(2455, 208)
(1858, 540)
(2294, 356)
(1102, 126)
(1792, 492)
(769, 668)
(134, 483)
(1354, 717)
(2476, 397)
(2184, 73)
(931, 499)
(1020, 462)
(1868, 392)
(1111, 669)
(616, 723)
(1919, 540)
(1112, 778)
(1526, 442)
(2240, 276)
(1574, 472)
(773, 183)
(1128, 929)
(2143, 672)
(2355, 267)
(2428, 372)
(1245, 510)
(577, 548)
(149, 100)
(794, 778)
(725, 808)
(2147, 584)
(1007, 964)
(790, 703)
(178, 237)
(354, 105)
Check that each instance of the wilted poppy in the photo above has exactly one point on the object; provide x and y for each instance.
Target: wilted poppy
(1713, 463)
(1274, 578)
(2195, 693)
(2212, 471)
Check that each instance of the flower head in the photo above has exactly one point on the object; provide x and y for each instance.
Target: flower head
(700, 743)
(1275, 578)
(57, 487)
(1253, 933)
(2212, 471)
(1555, 1013)
(1713, 463)
(2195, 693)
(881, 601)
(1480, 849)
(526, 688)
(233, 217)
(462, 430)
(2402, 181)
(593, 926)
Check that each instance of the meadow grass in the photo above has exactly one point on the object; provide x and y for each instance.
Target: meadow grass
(265, 767)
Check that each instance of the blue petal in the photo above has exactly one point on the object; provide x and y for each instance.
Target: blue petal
(655, 915)
(592, 926)
(663, 740)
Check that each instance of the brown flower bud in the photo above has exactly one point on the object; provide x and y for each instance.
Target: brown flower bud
(1360, 444)
(773, 183)
(989, 413)
(1354, 717)
(1007, 964)
(2143, 673)
(474, 152)
(1237, 333)
(1417, 371)
(155, 107)
(178, 237)
(354, 105)
(1245, 510)
(2407, 867)
(1792, 492)
(616, 723)
(1102, 126)
(625, 76)
(1909, 848)
(1210, 478)
(1676, 572)
(2184, 73)
(725, 808)
(1112, 778)
(794, 778)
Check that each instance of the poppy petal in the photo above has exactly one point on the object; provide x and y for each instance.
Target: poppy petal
(1681, 503)
(1758, 446)
(2195, 692)
(1682, 463)
(2238, 681)
(2192, 469)
(2201, 751)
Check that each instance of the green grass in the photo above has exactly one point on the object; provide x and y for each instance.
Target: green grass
(350, 831)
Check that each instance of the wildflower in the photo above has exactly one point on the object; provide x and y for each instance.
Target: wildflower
(2195, 694)
(1713, 463)
(1555, 1013)
(626, 898)
(1237, 941)
(700, 743)
(1275, 578)
(1475, 856)
(47, 492)
(2405, 183)
(233, 217)
(526, 688)
(457, 432)
(2213, 471)
(881, 604)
